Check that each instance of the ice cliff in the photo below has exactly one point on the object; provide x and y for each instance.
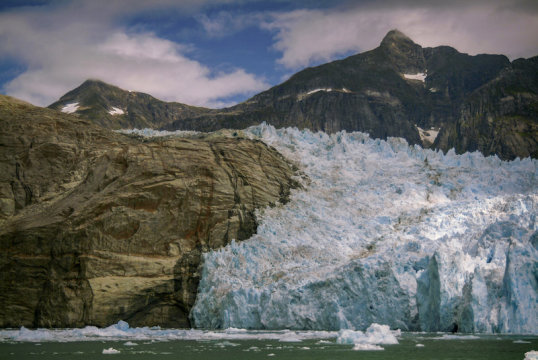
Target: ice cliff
(384, 233)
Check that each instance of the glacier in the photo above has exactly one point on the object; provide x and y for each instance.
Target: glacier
(385, 233)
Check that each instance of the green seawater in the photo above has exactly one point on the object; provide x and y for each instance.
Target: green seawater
(487, 347)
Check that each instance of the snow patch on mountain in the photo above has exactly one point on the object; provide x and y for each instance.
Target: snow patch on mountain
(70, 108)
(384, 233)
(418, 76)
(303, 96)
(116, 111)
(427, 136)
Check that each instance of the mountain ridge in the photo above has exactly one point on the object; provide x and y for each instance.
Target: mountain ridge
(109, 106)
(398, 89)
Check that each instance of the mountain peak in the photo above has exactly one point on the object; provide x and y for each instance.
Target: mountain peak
(403, 53)
(394, 37)
(89, 83)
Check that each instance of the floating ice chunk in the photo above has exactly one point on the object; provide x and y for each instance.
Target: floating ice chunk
(456, 337)
(521, 342)
(70, 108)
(111, 351)
(375, 334)
(226, 343)
(419, 345)
(123, 332)
(531, 355)
(418, 76)
(116, 111)
(367, 347)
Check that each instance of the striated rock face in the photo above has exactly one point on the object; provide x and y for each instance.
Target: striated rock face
(500, 117)
(96, 226)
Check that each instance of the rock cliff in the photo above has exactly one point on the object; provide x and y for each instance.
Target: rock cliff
(500, 117)
(96, 226)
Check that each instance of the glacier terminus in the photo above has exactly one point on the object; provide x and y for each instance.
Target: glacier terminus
(385, 233)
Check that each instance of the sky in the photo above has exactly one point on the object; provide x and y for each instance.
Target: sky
(216, 53)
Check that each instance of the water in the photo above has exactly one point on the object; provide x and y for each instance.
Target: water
(436, 346)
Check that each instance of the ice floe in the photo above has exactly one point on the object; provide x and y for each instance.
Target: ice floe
(111, 351)
(122, 331)
(374, 336)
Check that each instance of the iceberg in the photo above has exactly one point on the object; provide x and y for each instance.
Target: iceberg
(374, 336)
(385, 233)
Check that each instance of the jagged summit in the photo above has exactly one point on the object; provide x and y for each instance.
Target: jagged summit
(403, 52)
(395, 36)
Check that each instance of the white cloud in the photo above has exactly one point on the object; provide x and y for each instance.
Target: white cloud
(61, 49)
(307, 36)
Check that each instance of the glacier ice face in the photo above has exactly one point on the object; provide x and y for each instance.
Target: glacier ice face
(384, 233)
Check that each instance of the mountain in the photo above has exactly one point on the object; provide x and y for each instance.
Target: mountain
(398, 89)
(388, 91)
(96, 226)
(501, 117)
(114, 108)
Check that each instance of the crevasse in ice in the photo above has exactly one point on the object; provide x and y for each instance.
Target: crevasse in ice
(383, 233)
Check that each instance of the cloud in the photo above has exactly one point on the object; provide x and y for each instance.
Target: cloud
(314, 35)
(226, 23)
(61, 49)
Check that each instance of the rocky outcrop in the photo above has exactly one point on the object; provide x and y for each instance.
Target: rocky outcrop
(500, 117)
(96, 226)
